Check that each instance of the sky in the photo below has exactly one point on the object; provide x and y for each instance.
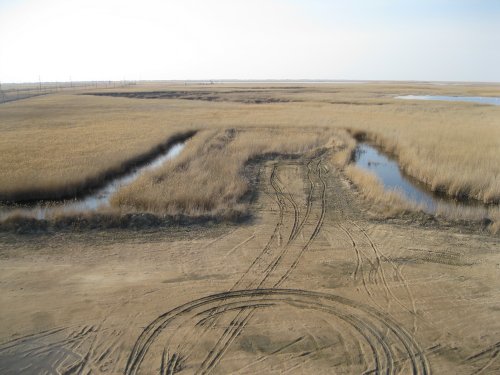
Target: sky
(422, 40)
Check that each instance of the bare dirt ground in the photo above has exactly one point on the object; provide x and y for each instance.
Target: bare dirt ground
(310, 285)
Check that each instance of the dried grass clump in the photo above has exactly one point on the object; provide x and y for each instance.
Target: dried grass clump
(345, 147)
(495, 217)
(489, 216)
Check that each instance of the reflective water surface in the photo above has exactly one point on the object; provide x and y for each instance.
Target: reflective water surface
(98, 199)
(388, 172)
(470, 99)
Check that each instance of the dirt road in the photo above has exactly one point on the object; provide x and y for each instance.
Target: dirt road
(311, 285)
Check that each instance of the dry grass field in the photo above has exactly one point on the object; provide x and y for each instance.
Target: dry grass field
(52, 142)
(327, 273)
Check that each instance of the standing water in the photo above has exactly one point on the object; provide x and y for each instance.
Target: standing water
(94, 201)
(388, 172)
(469, 99)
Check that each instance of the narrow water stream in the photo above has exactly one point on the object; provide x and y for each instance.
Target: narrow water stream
(468, 99)
(94, 201)
(388, 172)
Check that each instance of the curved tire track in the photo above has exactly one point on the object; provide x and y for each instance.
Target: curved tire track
(378, 331)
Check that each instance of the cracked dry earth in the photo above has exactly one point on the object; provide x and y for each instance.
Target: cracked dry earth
(310, 286)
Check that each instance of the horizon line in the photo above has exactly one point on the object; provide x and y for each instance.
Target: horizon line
(270, 80)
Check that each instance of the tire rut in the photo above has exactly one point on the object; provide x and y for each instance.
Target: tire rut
(376, 330)
(255, 297)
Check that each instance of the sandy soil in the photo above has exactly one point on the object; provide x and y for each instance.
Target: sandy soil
(311, 285)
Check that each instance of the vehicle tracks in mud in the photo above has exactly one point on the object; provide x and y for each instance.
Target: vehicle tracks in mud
(270, 269)
(196, 336)
(382, 337)
(266, 263)
(65, 351)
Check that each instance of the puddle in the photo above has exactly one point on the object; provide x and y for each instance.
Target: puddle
(96, 200)
(469, 99)
(388, 172)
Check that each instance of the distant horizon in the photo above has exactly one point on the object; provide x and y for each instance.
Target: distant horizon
(270, 80)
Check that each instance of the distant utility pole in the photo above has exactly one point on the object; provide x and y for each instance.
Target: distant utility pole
(39, 84)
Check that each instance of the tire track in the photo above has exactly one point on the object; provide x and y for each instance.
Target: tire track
(401, 278)
(359, 264)
(278, 194)
(377, 270)
(378, 331)
(316, 229)
(390, 346)
(280, 199)
(491, 354)
(243, 317)
(380, 259)
(309, 200)
(243, 314)
(384, 345)
(296, 211)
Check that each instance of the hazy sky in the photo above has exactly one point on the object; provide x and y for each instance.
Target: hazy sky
(455, 40)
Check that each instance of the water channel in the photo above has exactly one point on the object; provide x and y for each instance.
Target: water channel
(371, 159)
(94, 201)
(468, 99)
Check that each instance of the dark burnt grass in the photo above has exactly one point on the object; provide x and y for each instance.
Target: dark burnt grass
(358, 103)
(130, 221)
(238, 96)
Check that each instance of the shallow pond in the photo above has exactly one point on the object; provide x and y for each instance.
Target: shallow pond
(388, 172)
(469, 99)
(92, 202)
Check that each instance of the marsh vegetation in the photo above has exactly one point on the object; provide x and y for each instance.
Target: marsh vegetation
(56, 146)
